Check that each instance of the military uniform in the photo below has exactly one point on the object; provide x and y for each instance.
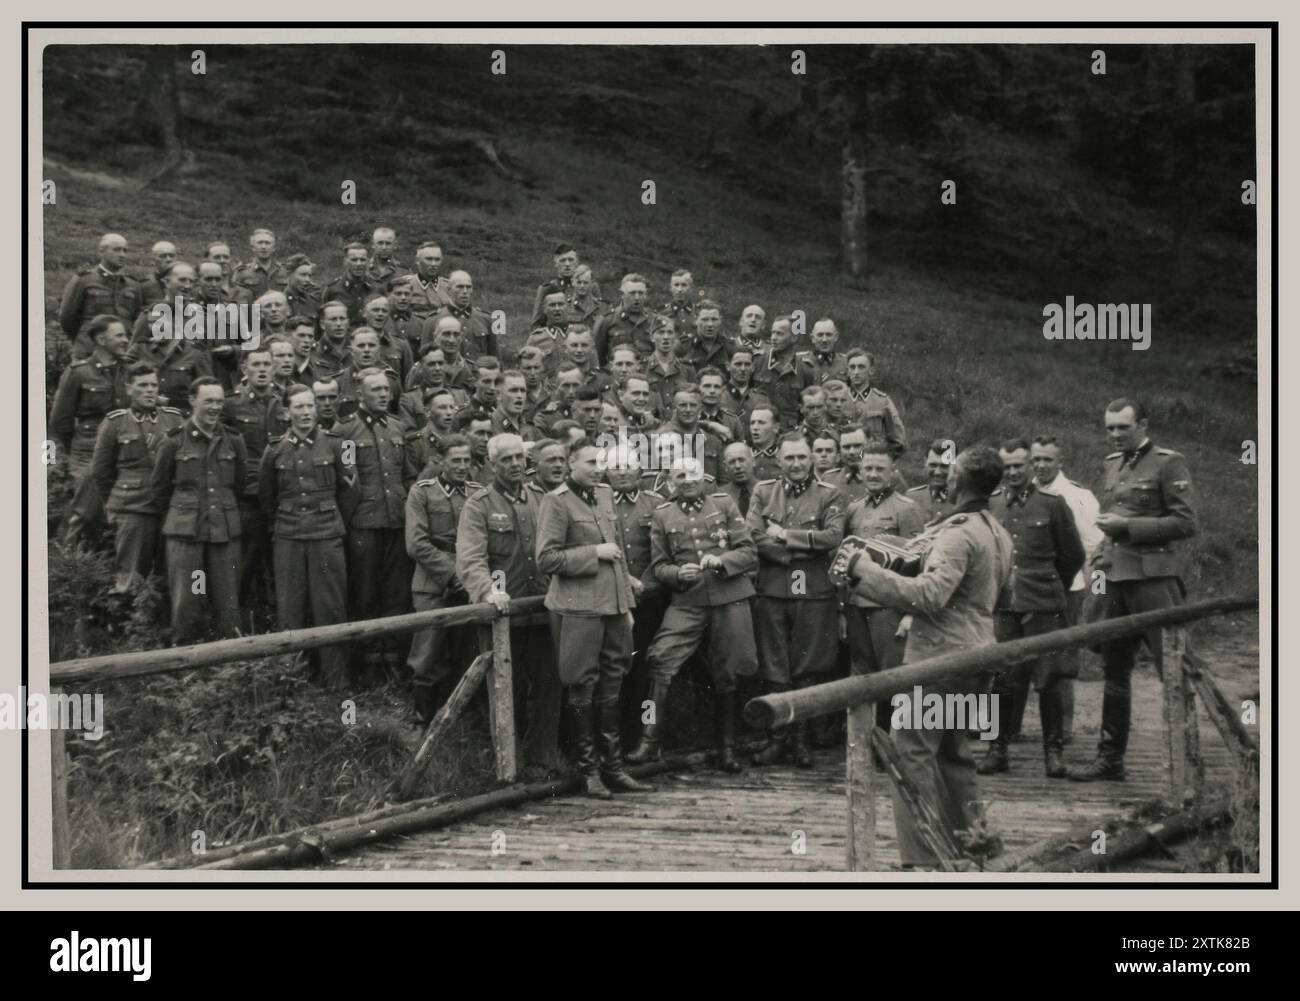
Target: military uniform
(428, 297)
(329, 358)
(379, 571)
(249, 282)
(1153, 489)
(350, 391)
(421, 446)
(550, 341)
(715, 604)
(767, 462)
(153, 288)
(503, 423)
(593, 376)
(590, 601)
(307, 492)
(179, 363)
(127, 443)
(873, 643)
(853, 487)
(256, 418)
(729, 419)
(740, 493)
(797, 628)
(829, 365)
(664, 380)
(711, 456)
(635, 509)
(700, 353)
(406, 328)
(1047, 554)
(681, 315)
(396, 354)
(497, 541)
(951, 603)
(743, 402)
(353, 293)
(433, 509)
(553, 410)
(875, 413)
(92, 292)
(620, 327)
(303, 302)
(586, 310)
(811, 434)
(933, 501)
(413, 408)
(89, 390)
(476, 331)
(459, 377)
(383, 269)
(565, 285)
(783, 380)
(197, 481)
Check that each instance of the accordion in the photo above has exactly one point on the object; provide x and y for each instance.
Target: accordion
(903, 556)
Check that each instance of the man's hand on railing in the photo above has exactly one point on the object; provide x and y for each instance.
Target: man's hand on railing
(499, 600)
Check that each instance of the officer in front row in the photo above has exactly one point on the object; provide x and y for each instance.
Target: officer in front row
(496, 561)
(307, 493)
(951, 603)
(797, 522)
(1146, 506)
(200, 474)
(125, 450)
(590, 601)
(703, 553)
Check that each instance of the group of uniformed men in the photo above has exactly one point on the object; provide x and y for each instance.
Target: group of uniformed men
(675, 492)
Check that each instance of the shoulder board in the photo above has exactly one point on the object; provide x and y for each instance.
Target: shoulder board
(803, 354)
(424, 483)
(551, 407)
(528, 486)
(274, 439)
(996, 493)
(171, 410)
(1075, 483)
(563, 488)
(916, 490)
(80, 361)
(85, 269)
(114, 413)
(331, 432)
(721, 493)
(172, 432)
(823, 483)
(956, 519)
(709, 478)
(1114, 455)
(876, 391)
(602, 486)
(473, 485)
(663, 505)
(476, 495)
(763, 483)
(905, 499)
(654, 494)
(1167, 451)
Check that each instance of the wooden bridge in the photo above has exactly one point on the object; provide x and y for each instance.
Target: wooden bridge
(772, 819)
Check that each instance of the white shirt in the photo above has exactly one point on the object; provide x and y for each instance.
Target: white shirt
(1084, 507)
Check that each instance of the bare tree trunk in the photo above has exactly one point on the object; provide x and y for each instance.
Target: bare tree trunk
(161, 102)
(853, 181)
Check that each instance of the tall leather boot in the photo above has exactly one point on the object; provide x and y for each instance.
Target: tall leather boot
(998, 758)
(612, 770)
(1018, 689)
(650, 746)
(1109, 763)
(774, 751)
(582, 724)
(724, 723)
(1050, 711)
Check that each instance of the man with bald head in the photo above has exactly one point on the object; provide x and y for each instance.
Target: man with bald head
(749, 331)
(154, 288)
(476, 324)
(102, 290)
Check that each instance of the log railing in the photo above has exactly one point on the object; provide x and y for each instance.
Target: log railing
(494, 664)
(857, 695)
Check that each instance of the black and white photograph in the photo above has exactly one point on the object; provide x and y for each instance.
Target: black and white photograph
(787, 453)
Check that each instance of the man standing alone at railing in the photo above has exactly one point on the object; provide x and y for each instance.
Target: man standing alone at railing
(951, 603)
(1146, 505)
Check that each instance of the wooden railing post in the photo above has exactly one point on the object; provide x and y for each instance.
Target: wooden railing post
(1182, 738)
(860, 787)
(501, 700)
(62, 845)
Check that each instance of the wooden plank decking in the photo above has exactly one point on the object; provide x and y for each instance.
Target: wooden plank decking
(708, 821)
